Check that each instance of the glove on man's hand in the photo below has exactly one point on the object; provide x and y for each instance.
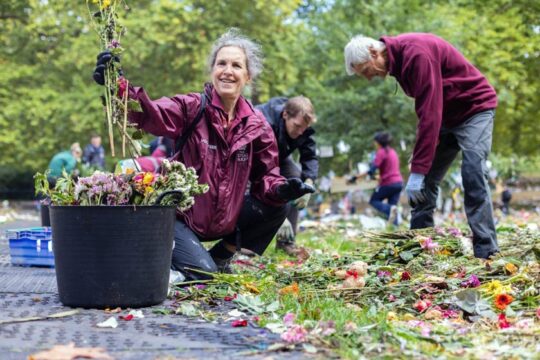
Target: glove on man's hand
(285, 232)
(103, 59)
(293, 189)
(415, 188)
(302, 201)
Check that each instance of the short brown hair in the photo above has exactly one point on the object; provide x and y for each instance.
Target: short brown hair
(301, 105)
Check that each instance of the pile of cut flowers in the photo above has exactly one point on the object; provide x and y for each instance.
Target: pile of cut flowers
(178, 185)
(401, 294)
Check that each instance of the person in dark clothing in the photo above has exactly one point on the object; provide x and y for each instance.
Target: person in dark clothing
(291, 121)
(506, 197)
(230, 145)
(455, 105)
(94, 153)
(163, 141)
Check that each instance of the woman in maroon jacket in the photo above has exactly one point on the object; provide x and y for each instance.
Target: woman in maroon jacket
(231, 145)
(455, 106)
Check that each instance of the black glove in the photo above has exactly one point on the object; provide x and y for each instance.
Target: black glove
(102, 60)
(293, 189)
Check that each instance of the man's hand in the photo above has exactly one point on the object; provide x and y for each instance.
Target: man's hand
(414, 188)
(293, 188)
(285, 232)
(103, 59)
(303, 201)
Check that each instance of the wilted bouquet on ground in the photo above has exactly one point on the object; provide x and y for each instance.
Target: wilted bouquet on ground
(137, 188)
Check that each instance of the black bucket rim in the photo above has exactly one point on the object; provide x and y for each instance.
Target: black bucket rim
(111, 206)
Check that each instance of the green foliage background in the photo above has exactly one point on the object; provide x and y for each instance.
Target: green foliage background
(47, 53)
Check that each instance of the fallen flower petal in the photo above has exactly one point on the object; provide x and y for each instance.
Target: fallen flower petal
(230, 298)
(128, 317)
(239, 323)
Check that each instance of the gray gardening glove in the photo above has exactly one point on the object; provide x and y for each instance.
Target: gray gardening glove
(303, 200)
(415, 189)
(285, 232)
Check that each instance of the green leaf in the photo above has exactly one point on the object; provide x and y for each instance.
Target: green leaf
(137, 135)
(134, 106)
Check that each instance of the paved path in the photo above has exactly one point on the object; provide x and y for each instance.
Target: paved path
(31, 291)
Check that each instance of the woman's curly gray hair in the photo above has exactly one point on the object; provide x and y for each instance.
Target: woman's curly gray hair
(253, 51)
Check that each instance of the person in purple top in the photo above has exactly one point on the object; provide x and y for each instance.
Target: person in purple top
(390, 180)
(455, 106)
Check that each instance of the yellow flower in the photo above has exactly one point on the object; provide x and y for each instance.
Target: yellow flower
(511, 268)
(391, 316)
(495, 287)
(105, 4)
(408, 317)
(148, 190)
(148, 178)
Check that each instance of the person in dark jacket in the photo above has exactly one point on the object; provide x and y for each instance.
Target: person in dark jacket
(291, 121)
(94, 153)
(231, 145)
(455, 105)
(160, 141)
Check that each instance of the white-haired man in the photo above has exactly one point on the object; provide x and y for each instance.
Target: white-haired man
(455, 106)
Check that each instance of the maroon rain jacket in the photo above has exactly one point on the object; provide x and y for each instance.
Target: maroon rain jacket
(223, 159)
(446, 87)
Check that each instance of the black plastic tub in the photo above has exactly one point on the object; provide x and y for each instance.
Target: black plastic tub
(44, 212)
(112, 256)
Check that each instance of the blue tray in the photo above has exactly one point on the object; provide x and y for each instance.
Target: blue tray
(31, 246)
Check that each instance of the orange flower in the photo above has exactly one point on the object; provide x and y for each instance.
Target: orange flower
(291, 289)
(252, 288)
(510, 268)
(503, 300)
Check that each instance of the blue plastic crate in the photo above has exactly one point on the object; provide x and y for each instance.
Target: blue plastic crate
(31, 246)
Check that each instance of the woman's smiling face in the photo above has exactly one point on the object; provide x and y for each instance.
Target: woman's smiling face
(229, 72)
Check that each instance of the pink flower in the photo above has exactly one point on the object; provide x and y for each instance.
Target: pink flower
(113, 44)
(288, 319)
(472, 282)
(503, 322)
(455, 232)
(383, 274)
(422, 305)
(391, 298)
(230, 298)
(294, 334)
(538, 313)
(428, 244)
(439, 230)
(200, 286)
